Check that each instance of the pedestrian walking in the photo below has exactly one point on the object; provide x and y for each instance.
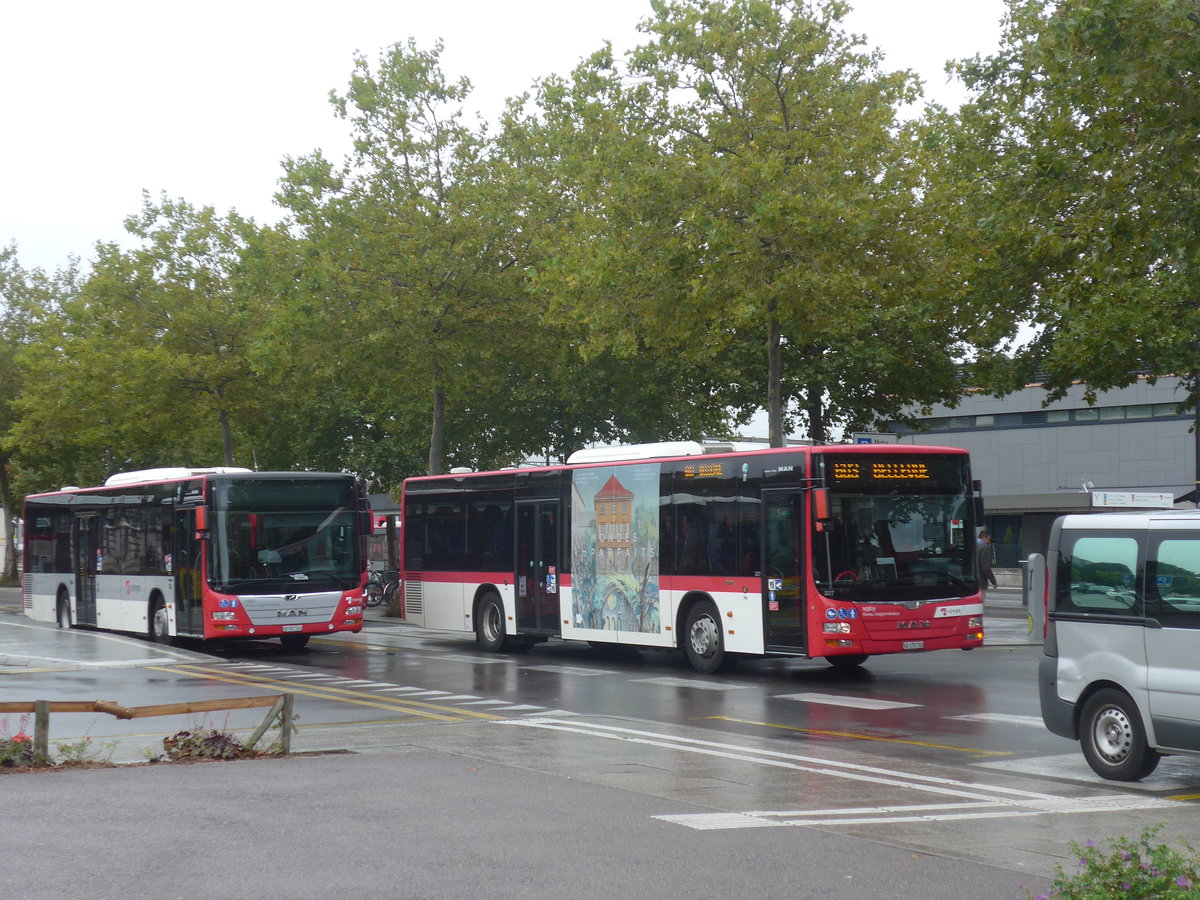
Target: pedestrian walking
(987, 577)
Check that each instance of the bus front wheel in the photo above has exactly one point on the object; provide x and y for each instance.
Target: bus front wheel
(1113, 738)
(704, 644)
(847, 661)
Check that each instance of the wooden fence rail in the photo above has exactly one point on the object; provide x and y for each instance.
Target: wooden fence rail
(281, 706)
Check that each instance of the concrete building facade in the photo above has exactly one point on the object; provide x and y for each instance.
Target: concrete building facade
(1038, 461)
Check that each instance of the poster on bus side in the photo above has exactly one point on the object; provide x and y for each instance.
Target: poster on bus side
(614, 548)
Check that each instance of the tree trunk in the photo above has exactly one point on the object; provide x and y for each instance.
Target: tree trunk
(437, 429)
(774, 380)
(815, 406)
(6, 529)
(226, 438)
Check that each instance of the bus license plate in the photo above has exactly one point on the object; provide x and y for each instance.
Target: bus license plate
(907, 645)
(301, 628)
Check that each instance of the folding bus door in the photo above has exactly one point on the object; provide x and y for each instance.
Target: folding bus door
(189, 615)
(783, 594)
(88, 562)
(537, 566)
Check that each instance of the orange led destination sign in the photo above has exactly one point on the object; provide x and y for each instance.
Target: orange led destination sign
(880, 471)
(704, 470)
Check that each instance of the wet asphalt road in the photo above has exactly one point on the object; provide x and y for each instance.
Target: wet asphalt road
(938, 755)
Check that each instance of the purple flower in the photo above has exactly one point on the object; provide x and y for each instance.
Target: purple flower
(1183, 881)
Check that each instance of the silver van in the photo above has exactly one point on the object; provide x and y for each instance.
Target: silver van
(1120, 670)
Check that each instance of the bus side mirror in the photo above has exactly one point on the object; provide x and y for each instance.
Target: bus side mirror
(201, 521)
(821, 504)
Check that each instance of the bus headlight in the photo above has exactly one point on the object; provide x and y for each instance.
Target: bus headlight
(224, 616)
(354, 610)
(837, 627)
(975, 622)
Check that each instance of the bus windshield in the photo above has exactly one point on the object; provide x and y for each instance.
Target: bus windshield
(901, 531)
(272, 534)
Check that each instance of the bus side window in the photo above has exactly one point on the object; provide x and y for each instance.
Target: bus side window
(1173, 576)
(1100, 577)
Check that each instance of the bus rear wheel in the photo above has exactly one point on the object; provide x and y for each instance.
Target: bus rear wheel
(1113, 738)
(703, 641)
(160, 625)
(489, 624)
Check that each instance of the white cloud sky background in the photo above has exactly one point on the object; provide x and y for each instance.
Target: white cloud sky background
(203, 101)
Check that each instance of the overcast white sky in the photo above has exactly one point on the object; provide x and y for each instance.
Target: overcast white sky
(203, 100)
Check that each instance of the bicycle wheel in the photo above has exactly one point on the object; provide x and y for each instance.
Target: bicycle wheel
(391, 595)
(373, 593)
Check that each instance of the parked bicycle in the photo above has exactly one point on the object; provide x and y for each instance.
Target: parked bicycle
(382, 587)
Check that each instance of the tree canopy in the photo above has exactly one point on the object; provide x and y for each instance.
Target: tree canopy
(1075, 169)
(735, 217)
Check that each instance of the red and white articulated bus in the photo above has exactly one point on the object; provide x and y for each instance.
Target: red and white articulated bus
(841, 552)
(201, 553)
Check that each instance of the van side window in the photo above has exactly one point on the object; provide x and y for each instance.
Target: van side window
(1100, 577)
(1173, 577)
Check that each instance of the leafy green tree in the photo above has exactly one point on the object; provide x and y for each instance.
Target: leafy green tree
(22, 294)
(1073, 174)
(750, 199)
(145, 364)
(405, 263)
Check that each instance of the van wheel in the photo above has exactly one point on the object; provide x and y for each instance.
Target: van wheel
(1113, 738)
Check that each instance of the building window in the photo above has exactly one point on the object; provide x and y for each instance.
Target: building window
(1087, 415)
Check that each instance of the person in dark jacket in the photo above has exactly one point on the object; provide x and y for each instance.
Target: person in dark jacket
(987, 578)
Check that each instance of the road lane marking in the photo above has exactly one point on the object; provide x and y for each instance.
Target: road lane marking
(851, 702)
(460, 700)
(1000, 719)
(357, 698)
(977, 801)
(569, 670)
(778, 759)
(692, 683)
(859, 736)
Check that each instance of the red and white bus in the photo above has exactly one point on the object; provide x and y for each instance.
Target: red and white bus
(840, 552)
(200, 553)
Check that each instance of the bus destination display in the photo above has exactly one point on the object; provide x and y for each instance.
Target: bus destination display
(879, 470)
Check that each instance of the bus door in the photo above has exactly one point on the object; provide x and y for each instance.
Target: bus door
(189, 616)
(537, 566)
(783, 595)
(88, 562)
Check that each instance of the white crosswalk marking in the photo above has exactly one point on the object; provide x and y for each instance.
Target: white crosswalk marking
(852, 702)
